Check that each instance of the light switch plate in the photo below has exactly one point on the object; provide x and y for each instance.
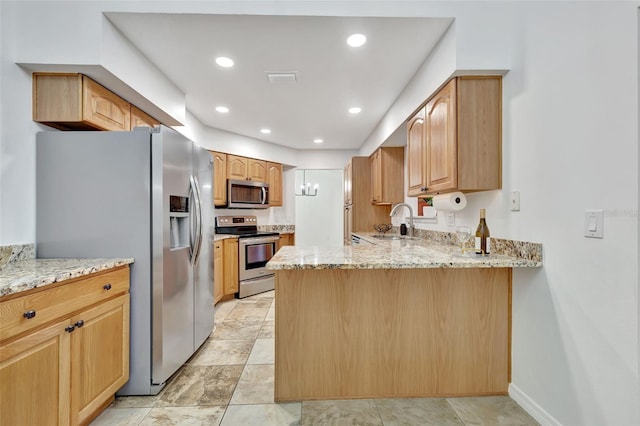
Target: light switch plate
(594, 224)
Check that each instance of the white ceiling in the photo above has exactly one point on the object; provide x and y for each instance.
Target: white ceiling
(331, 76)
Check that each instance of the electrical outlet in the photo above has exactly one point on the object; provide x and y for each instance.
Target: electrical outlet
(515, 201)
(451, 219)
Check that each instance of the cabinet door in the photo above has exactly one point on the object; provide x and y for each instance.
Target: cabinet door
(34, 378)
(441, 142)
(376, 176)
(347, 184)
(218, 273)
(103, 108)
(416, 162)
(230, 252)
(140, 118)
(257, 170)
(99, 356)
(275, 183)
(219, 178)
(236, 167)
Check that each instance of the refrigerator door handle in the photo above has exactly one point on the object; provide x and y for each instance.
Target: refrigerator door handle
(193, 220)
(198, 246)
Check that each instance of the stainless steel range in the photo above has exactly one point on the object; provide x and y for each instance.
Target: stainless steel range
(255, 249)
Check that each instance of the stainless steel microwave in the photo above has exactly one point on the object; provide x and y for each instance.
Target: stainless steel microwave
(247, 194)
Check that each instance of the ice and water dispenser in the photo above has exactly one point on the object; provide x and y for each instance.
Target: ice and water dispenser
(179, 222)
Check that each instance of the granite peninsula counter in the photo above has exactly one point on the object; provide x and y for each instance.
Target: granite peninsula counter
(394, 318)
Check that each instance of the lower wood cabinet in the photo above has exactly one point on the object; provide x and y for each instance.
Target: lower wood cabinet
(218, 271)
(286, 240)
(66, 368)
(230, 268)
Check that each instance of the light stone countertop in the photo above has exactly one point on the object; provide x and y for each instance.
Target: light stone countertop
(33, 273)
(390, 254)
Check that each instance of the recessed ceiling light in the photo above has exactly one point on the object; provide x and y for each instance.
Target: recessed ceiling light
(224, 62)
(265, 131)
(356, 40)
(222, 109)
(318, 141)
(355, 110)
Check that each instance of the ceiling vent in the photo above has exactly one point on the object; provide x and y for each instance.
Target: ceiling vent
(281, 77)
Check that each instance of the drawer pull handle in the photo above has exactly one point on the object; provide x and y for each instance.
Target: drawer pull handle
(29, 314)
(69, 328)
(107, 287)
(79, 323)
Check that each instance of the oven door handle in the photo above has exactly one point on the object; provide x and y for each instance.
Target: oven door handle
(259, 240)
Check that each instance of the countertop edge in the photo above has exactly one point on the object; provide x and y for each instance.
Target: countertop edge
(35, 273)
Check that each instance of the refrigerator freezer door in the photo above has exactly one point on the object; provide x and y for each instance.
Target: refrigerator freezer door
(172, 299)
(203, 266)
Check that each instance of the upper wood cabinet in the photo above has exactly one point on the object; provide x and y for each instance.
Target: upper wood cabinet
(416, 162)
(237, 167)
(387, 175)
(244, 168)
(140, 118)
(463, 136)
(75, 102)
(257, 170)
(274, 178)
(219, 178)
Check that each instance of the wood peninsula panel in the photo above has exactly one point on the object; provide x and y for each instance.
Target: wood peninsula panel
(392, 333)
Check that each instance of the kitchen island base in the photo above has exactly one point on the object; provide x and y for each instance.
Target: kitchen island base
(380, 333)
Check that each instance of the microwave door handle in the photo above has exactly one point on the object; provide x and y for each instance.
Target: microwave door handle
(263, 199)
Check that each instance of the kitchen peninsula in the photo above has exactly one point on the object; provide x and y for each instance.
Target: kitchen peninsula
(393, 318)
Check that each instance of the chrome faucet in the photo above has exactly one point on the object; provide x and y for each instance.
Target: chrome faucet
(393, 211)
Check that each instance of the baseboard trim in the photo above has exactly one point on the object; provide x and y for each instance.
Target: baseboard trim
(531, 407)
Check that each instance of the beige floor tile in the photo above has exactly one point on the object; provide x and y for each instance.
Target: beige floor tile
(223, 352)
(340, 413)
(255, 385)
(134, 401)
(191, 416)
(491, 410)
(263, 352)
(268, 330)
(417, 411)
(232, 329)
(196, 385)
(263, 415)
(247, 314)
(271, 314)
(120, 417)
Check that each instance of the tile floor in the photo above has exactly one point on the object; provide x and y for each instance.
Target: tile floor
(229, 381)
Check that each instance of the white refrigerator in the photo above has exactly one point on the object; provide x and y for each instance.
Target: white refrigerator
(145, 194)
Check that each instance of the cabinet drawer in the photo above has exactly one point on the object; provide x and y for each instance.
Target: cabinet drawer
(53, 303)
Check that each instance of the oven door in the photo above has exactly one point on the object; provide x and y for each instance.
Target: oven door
(254, 254)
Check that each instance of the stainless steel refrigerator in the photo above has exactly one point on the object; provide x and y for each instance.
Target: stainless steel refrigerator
(145, 194)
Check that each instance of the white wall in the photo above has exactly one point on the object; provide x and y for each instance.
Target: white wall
(570, 143)
(319, 219)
